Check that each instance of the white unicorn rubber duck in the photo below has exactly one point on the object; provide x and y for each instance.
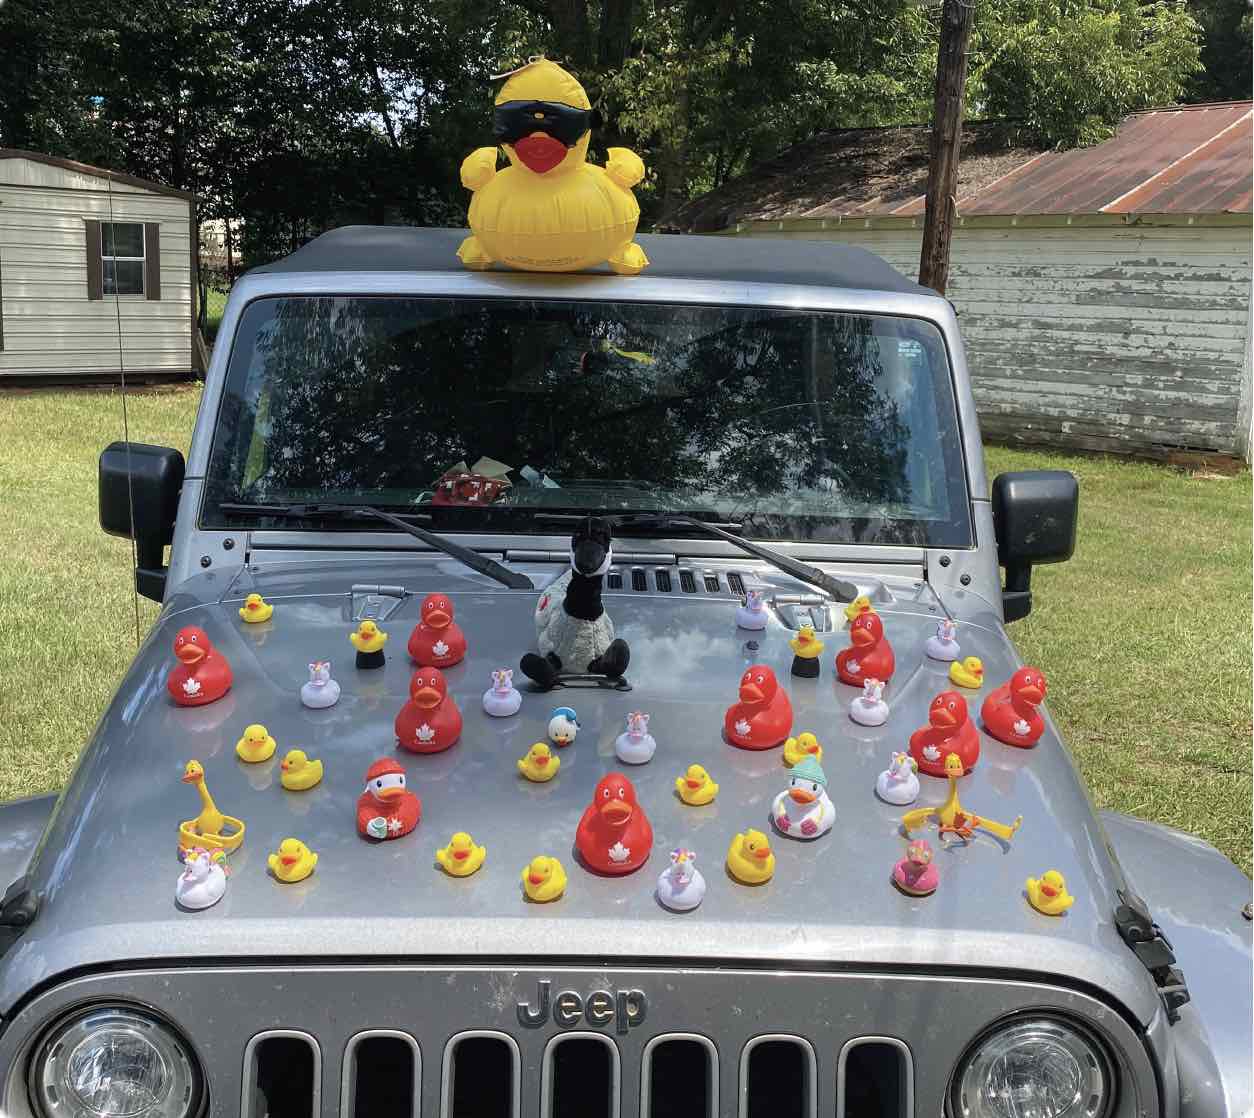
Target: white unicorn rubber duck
(944, 646)
(752, 614)
(899, 783)
(203, 880)
(321, 691)
(803, 809)
(869, 708)
(636, 746)
(502, 699)
(681, 886)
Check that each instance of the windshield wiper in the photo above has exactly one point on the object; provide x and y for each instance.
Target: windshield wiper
(476, 562)
(838, 588)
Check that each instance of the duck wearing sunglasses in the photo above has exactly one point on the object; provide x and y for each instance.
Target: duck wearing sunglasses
(550, 210)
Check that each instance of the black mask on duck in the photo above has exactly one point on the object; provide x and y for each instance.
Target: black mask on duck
(590, 551)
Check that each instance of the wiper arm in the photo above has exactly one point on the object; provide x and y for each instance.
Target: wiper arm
(476, 562)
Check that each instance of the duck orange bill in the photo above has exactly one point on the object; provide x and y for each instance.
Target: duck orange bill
(751, 693)
(1032, 694)
(438, 619)
(693, 783)
(616, 811)
(540, 153)
(190, 653)
(389, 793)
(941, 717)
(427, 697)
(1048, 890)
(764, 853)
(460, 854)
(541, 760)
(535, 879)
(289, 859)
(802, 796)
(862, 636)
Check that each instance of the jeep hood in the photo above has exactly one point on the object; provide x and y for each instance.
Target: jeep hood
(106, 870)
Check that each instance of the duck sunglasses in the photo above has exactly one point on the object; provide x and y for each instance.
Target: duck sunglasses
(513, 120)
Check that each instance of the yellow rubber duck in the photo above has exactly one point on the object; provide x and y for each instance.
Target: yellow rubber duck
(860, 604)
(695, 787)
(952, 818)
(255, 609)
(368, 638)
(749, 858)
(802, 746)
(550, 210)
(256, 744)
(293, 862)
(461, 857)
(539, 764)
(1048, 893)
(968, 672)
(543, 879)
(212, 829)
(297, 773)
(806, 643)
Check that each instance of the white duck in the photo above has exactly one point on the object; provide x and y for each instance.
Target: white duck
(869, 708)
(899, 783)
(944, 646)
(321, 691)
(803, 809)
(563, 726)
(681, 886)
(751, 615)
(203, 880)
(502, 698)
(636, 746)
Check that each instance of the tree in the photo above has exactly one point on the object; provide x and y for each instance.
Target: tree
(1226, 51)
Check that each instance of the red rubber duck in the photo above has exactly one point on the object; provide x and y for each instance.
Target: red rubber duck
(763, 717)
(436, 641)
(1009, 714)
(949, 730)
(614, 835)
(869, 655)
(386, 809)
(202, 674)
(430, 722)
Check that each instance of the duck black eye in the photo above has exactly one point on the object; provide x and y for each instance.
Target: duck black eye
(814, 787)
(378, 784)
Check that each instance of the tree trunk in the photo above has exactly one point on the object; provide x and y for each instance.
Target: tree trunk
(571, 41)
(618, 20)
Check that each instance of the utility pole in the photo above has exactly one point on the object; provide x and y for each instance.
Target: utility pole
(942, 177)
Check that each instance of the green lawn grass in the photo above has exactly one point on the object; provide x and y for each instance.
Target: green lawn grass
(215, 304)
(1144, 635)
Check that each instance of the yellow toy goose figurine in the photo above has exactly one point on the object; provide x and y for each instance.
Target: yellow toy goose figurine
(211, 829)
(550, 210)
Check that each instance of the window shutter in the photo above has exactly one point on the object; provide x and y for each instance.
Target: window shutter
(152, 260)
(95, 270)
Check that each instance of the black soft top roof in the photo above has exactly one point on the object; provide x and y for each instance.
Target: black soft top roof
(397, 248)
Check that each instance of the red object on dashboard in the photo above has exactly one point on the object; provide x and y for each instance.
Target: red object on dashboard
(460, 487)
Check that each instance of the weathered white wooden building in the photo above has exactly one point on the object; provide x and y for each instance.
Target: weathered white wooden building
(1104, 292)
(97, 273)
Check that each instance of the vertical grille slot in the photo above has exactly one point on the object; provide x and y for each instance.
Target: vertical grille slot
(580, 1077)
(736, 583)
(481, 1077)
(777, 1078)
(711, 583)
(282, 1076)
(614, 580)
(662, 579)
(382, 1076)
(874, 1079)
(679, 1077)
(687, 583)
(638, 581)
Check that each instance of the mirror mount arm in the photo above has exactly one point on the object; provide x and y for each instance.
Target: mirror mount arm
(1016, 595)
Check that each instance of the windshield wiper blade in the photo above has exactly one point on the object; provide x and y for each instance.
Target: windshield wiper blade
(476, 562)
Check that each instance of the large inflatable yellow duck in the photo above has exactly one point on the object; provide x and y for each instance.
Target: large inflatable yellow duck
(550, 210)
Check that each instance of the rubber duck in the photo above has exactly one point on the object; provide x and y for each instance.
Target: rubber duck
(462, 856)
(543, 879)
(321, 691)
(256, 744)
(695, 787)
(369, 640)
(614, 835)
(202, 673)
(951, 817)
(749, 858)
(802, 746)
(297, 773)
(944, 644)
(430, 721)
(860, 605)
(803, 809)
(915, 874)
(899, 783)
(502, 699)
(1048, 893)
(1010, 712)
(293, 861)
(255, 609)
(869, 655)
(806, 648)
(436, 641)
(949, 731)
(680, 887)
(869, 708)
(563, 726)
(752, 612)
(211, 829)
(763, 716)
(202, 883)
(386, 809)
(968, 672)
(635, 746)
(550, 210)
(539, 764)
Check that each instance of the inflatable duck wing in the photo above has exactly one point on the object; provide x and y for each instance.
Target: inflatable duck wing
(550, 210)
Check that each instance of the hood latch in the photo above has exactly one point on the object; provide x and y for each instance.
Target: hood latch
(17, 910)
(1138, 931)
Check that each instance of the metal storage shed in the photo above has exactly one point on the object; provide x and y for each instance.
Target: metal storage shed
(72, 237)
(1104, 292)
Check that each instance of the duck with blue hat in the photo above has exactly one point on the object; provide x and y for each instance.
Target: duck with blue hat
(563, 726)
(803, 810)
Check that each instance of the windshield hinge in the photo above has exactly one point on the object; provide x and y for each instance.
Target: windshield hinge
(17, 910)
(376, 603)
(1138, 931)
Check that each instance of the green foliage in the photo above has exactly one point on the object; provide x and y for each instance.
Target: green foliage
(1227, 49)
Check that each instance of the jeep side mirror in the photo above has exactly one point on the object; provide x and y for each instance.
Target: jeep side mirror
(1034, 516)
(153, 477)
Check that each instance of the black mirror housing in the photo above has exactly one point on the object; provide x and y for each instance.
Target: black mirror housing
(1034, 515)
(153, 475)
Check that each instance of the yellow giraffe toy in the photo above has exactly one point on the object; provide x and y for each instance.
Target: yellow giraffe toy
(211, 828)
(952, 817)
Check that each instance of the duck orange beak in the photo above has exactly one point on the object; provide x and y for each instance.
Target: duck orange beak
(534, 879)
(801, 796)
(289, 859)
(941, 718)
(190, 653)
(764, 853)
(751, 693)
(427, 697)
(460, 854)
(861, 637)
(438, 619)
(191, 778)
(1032, 693)
(540, 760)
(386, 794)
(617, 812)
(1048, 890)
(282, 764)
(693, 783)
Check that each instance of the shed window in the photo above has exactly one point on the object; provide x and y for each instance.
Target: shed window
(122, 257)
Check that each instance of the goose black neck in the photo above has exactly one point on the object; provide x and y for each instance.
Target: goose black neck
(583, 596)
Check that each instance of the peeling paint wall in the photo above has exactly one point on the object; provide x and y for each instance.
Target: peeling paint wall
(1125, 339)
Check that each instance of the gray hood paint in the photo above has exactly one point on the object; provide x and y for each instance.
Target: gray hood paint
(108, 866)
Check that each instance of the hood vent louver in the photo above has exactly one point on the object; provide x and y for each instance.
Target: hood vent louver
(662, 580)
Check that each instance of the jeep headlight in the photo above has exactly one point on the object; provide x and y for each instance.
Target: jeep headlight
(1037, 1068)
(112, 1062)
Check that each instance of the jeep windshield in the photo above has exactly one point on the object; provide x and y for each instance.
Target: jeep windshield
(793, 424)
